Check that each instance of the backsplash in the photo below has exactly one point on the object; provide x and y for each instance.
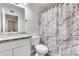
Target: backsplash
(10, 34)
(59, 29)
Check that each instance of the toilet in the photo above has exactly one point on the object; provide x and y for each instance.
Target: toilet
(41, 50)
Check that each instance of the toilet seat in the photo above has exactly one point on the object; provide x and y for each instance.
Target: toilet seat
(41, 48)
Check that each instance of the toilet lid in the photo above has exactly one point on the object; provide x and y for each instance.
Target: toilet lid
(41, 47)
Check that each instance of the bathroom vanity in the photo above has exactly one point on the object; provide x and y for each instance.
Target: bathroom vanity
(12, 20)
(18, 45)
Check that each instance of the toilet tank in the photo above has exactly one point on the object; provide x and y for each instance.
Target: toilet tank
(35, 40)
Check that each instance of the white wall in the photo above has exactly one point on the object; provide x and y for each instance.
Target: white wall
(32, 23)
(0, 20)
(17, 12)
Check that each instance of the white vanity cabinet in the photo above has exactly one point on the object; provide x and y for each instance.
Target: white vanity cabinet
(19, 47)
(6, 53)
(23, 49)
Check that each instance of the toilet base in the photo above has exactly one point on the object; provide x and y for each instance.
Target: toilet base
(39, 54)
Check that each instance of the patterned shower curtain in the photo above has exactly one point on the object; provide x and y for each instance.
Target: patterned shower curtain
(59, 29)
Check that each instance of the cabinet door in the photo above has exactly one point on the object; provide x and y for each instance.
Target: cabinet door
(6, 53)
(23, 50)
(28, 47)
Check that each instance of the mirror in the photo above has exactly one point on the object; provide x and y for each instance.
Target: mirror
(8, 23)
(12, 18)
(11, 24)
(1, 30)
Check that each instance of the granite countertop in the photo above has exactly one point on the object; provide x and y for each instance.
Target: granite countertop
(19, 36)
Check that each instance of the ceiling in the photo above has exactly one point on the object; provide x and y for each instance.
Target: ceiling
(42, 6)
(36, 6)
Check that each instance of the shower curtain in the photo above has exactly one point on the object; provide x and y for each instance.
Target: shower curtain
(59, 29)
